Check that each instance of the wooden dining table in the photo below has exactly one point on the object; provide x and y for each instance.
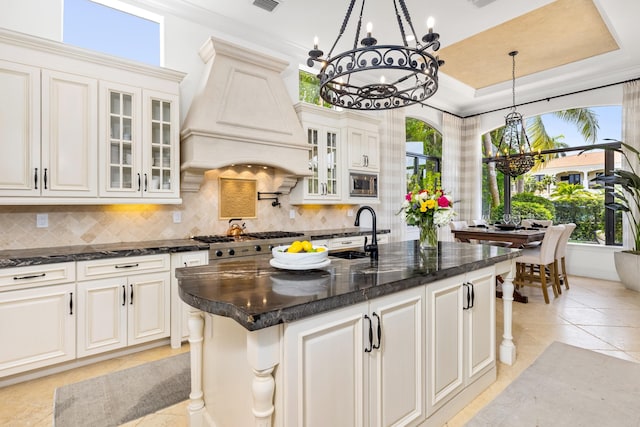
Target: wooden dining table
(516, 238)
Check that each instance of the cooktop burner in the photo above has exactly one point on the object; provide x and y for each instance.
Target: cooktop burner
(213, 239)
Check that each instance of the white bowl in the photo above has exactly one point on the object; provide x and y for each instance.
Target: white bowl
(301, 258)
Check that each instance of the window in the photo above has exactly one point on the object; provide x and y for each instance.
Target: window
(423, 150)
(114, 28)
(564, 188)
(309, 89)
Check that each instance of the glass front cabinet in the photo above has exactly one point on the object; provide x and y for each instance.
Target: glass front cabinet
(140, 137)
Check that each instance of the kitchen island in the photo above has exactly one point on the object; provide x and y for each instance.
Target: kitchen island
(407, 339)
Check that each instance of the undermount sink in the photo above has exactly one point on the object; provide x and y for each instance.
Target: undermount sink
(349, 254)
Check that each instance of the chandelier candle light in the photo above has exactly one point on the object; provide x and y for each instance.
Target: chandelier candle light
(428, 207)
(355, 78)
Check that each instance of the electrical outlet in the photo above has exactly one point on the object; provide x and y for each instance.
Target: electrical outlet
(42, 220)
(292, 213)
(350, 212)
(177, 217)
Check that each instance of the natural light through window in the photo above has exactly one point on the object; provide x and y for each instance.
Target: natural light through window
(114, 28)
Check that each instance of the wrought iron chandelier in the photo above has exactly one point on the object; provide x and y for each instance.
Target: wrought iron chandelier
(514, 156)
(355, 79)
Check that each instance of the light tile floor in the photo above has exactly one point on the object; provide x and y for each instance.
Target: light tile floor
(594, 314)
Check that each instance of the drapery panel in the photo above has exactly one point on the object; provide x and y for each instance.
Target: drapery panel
(462, 164)
(631, 136)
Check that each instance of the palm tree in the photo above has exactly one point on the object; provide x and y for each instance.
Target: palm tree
(566, 192)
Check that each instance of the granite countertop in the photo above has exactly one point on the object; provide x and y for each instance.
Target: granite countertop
(257, 295)
(38, 256)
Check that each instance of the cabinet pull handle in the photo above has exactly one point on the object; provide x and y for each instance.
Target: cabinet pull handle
(146, 182)
(124, 295)
(473, 295)
(35, 178)
(44, 178)
(379, 331)
(468, 296)
(139, 182)
(368, 350)
(127, 265)
(131, 297)
(185, 263)
(71, 303)
(31, 276)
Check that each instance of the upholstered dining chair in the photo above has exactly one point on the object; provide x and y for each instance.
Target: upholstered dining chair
(458, 225)
(532, 265)
(528, 223)
(561, 251)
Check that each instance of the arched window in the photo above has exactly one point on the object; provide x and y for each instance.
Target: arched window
(423, 149)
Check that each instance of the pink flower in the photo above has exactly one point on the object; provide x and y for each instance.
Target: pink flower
(408, 197)
(443, 202)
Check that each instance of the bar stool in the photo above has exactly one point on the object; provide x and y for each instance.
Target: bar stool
(531, 266)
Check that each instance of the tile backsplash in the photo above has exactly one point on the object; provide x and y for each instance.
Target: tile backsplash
(79, 225)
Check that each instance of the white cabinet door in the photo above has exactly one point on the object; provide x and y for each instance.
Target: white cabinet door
(480, 324)
(324, 370)
(445, 344)
(397, 365)
(149, 307)
(364, 151)
(120, 139)
(19, 129)
(37, 327)
(69, 135)
(160, 137)
(180, 310)
(324, 163)
(102, 315)
(335, 375)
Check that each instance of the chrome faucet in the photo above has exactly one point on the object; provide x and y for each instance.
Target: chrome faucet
(372, 248)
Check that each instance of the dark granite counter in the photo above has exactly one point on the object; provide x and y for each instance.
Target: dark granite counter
(38, 256)
(257, 295)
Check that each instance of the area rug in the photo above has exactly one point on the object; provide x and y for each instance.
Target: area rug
(122, 396)
(568, 386)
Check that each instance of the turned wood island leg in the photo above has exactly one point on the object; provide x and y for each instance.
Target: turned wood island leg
(196, 333)
(507, 348)
(263, 354)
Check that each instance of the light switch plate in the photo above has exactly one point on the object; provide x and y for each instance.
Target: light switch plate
(292, 213)
(42, 220)
(177, 217)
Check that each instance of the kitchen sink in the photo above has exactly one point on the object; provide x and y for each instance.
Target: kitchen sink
(349, 254)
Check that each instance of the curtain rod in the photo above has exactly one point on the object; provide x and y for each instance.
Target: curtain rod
(548, 98)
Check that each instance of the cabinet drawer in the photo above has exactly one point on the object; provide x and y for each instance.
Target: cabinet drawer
(122, 266)
(345, 242)
(37, 275)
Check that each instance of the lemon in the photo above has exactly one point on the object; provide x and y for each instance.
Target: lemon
(320, 249)
(295, 247)
(307, 246)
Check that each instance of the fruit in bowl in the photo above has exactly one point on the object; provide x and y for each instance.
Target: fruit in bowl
(300, 253)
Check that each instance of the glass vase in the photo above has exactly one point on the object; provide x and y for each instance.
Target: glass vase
(428, 236)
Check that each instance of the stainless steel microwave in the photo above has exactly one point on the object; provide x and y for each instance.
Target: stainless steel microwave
(363, 184)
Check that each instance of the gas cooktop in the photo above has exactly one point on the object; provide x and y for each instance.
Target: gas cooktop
(266, 235)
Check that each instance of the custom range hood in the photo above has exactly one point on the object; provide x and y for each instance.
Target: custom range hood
(241, 114)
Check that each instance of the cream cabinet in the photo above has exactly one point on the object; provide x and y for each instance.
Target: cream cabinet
(180, 310)
(325, 184)
(50, 119)
(358, 366)
(122, 302)
(461, 314)
(138, 141)
(364, 150)
(37, 317)
(84, 128)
